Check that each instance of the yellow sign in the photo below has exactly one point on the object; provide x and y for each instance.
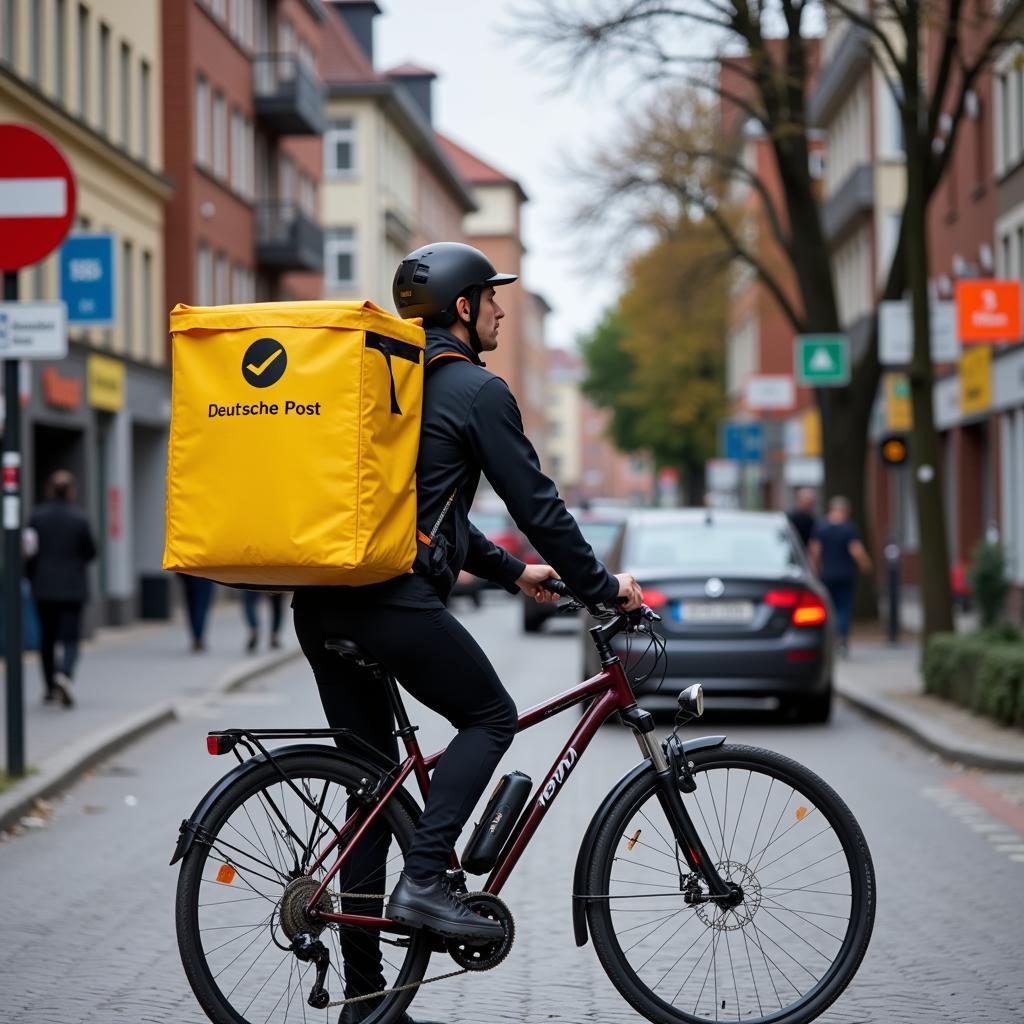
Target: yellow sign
(898, 410)
(812, 432)
(975, 379)
(105, 383)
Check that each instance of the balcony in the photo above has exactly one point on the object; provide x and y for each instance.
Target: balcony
(287, 238)
(289, 99)
(850, 58)
(853, 199)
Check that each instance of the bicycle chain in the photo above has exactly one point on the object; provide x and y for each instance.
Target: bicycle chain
(386, 991)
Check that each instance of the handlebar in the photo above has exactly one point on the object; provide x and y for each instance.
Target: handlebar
(601, 611)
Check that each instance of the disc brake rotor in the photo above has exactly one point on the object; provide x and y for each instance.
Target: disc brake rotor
(728, 919)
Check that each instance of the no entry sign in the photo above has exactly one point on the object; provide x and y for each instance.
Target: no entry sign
(37, 196)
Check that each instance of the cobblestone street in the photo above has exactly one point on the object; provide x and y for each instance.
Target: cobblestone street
(86, 925)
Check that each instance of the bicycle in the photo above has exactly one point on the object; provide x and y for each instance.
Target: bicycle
(719, 882)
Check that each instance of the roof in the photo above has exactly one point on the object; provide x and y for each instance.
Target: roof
(408, 70)
(476, 170)
(341, 58)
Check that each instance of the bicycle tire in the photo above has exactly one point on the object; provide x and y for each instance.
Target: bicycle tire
(858, 858)
(332, 768)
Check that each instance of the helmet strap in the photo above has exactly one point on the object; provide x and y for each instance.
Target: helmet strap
(474, 312)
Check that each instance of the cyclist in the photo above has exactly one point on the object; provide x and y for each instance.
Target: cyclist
(471, 425)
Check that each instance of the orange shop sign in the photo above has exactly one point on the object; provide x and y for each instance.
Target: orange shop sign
(988, 310)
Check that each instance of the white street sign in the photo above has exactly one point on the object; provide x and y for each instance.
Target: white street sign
(723, 474)
(896, 336)
(770, 391)
(33, 330)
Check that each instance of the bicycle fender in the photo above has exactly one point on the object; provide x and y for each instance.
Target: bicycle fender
(579, 897)
(579, 894)
(187, 829)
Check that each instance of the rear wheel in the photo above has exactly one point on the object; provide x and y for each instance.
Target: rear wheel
(785, 950)
(817, 708)
(248, 877)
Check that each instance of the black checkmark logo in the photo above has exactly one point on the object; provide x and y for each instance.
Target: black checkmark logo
(264, 362)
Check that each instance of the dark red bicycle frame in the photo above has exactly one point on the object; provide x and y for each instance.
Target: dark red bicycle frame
(610, 687)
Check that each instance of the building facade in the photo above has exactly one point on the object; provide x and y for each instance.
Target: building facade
(89, 76)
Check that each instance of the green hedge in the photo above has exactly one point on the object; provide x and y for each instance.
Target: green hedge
(983, 671)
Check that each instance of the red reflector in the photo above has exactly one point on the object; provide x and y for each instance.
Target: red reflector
(655, 599)
(801, 655)
(810, 611)
(782, 598)
(218, 744)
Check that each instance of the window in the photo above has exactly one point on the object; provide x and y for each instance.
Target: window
(126, 98)
(147, 303)
(340, 148)
(127, 295)
(202, 122)
(35, 44)
(250, 160)
(340, 258)
(221, 283)
(307, 58)
(307, 195)
(61, 48)
(104, 78)
(286, 182)
(1004, 121)
(144, 111)
(220, 136)
(204, 276)
(241, 285)
(83, 62)
(8, 30)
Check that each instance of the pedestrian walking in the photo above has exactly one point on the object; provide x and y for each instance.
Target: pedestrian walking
(198, 595)
(63, 545)
(837, 553)
(250, 606)
(802, 516)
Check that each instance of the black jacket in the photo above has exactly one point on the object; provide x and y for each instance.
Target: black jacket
(471, 424)
(66, 545)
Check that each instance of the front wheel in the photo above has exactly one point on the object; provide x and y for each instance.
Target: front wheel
(798, 926)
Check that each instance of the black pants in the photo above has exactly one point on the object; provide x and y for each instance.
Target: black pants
(442, 666)
(59, 622)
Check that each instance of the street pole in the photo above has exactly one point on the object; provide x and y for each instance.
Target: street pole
(12, 553)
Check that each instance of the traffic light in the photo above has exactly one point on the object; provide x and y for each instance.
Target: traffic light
(893, 450)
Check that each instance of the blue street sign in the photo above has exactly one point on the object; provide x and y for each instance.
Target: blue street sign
(87, 279)
(743, 442)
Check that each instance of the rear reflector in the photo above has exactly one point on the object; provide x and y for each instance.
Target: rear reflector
(219, 744)
(799, 656)
(655, 599)
(810, 611)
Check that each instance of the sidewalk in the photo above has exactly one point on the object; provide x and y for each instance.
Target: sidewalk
(129, 680)
(883, 681)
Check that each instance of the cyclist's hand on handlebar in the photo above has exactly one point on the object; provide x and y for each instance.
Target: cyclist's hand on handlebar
(531, 583)
(630, 595)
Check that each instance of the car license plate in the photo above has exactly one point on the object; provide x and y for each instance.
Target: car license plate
(715, 612)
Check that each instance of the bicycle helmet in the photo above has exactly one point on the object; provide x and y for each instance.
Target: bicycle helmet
(431, 278)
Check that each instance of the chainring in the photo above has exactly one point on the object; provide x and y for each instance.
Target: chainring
(484, 957)
(291, 911)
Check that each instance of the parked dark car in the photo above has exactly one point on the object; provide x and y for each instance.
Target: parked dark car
(742, 612)
(601, 530)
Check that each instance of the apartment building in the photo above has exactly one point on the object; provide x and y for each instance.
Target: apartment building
(89, 75)
(244, 114)
(388, 184)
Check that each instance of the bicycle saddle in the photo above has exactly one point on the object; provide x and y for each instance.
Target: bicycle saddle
(351, 651)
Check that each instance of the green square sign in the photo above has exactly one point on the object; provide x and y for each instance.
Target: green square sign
(822, 360)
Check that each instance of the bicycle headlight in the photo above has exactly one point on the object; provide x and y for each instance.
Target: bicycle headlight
(691, 701)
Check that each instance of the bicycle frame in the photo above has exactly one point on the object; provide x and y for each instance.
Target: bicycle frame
(611, 689)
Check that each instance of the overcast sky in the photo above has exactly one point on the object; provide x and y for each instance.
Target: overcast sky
(494, 100)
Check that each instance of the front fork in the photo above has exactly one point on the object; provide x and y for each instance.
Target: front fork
(672, 774)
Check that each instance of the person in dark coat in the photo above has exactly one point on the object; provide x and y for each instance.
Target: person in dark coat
(802, 514)
(64, 546)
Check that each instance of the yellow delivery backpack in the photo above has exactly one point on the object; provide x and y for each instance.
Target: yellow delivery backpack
(294, 433)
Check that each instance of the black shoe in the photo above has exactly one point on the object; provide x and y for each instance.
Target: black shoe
(62, 685)
(354, 1013)
(433, 905)
(50, 697)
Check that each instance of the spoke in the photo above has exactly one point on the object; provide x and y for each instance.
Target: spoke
(641, 864)
(266, 981)
(715, 934)
(663, 945)
(245, 811)
(231, 825)
(813, 913)
(806, 942)
(668, 846)
(231, 962)
(316, 819)
(753, 976)
(653, 849)
(240, 869)
(220, 885)
(653, 920)
(782, 810)
(809, 839)
(707, 828)
(807, 867)
(771, 938)
(235, 938)
(739, 816)
(806, 888)
(700, 935)
(251, 966)
(693, 968)
(768, 960)
(764, 807)
(661, 921)
(216, 844)
(221, 903)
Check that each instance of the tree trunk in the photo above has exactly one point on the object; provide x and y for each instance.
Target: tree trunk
(936, 595)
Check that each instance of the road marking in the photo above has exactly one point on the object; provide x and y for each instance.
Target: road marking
(1010, 848)
(983, 811)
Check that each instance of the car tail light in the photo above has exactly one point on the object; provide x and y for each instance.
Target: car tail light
(782, 598)
(508, 541)
(810, 611)
(655, 599)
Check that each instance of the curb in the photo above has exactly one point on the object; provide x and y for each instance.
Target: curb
(934, 737)
(60, 770)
